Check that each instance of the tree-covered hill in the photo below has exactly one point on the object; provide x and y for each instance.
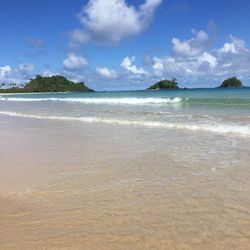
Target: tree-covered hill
(49, 84)
(164, 84)
(232, 82)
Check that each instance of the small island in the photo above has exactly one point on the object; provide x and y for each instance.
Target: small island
(232, 82)
(49, 84)
(164, 85)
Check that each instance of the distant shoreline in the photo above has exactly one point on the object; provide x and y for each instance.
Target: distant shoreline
(60, 84)
(134, 90)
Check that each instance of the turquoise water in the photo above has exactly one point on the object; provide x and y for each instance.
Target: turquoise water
(224, 111)
(138, 165)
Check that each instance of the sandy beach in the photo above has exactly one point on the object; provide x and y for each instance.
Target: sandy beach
(66, 185)
(124, 125)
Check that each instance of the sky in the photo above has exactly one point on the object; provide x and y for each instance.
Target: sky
(125, 44)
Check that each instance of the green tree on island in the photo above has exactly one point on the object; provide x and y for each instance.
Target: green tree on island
(49, 84)
(232, 82)
(165, 84)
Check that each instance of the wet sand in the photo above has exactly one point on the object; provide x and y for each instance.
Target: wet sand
(66, 185)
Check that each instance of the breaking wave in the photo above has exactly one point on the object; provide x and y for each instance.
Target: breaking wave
(134, 100)
(111, 101)
(220, 128)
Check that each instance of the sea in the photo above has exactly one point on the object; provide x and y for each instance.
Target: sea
(125, 170)
(222, 111)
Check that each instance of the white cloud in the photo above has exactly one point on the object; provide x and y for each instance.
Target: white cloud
(158, 67)
(110, 21)
(106, 72)
(235, 46)
(127, 64)
(20, 74)
(206, 57)
(75, 76)
(199, 64)
(74, 62)
(49, 73)
(25, 68)
(184, 67)
(5, 73)
(192, 47)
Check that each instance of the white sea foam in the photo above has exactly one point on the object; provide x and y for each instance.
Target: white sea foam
(110, 101)
(16, 99)
(216, 128)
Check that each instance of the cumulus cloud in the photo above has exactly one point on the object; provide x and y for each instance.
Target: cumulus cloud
(75, 68)
(235, 46)
(127, 64)
(194, 60)
(192, 47)
(19, 74)
(110, 21)
(5, 73)
(75, 76)
(158, 67)
(209, 59)
(25, 69)
(74, 62)
(106, 72)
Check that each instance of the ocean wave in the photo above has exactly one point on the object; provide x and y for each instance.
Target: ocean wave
(135, 100)
(219, 101)
(111, 101)
(17, 99)
(219, 128)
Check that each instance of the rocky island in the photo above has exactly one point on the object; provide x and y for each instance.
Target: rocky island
(164, 85)
(232, 82)
(49, 84)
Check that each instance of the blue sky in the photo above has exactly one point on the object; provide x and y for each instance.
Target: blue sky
(125, 44)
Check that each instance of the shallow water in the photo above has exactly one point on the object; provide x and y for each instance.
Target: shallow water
(209, 110)
(78, 184)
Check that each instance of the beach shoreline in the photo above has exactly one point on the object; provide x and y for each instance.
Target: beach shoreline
(86, 189)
